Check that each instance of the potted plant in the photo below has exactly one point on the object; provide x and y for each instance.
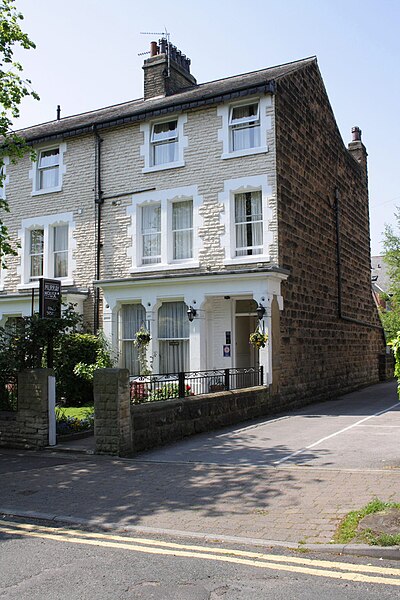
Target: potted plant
(258, 339)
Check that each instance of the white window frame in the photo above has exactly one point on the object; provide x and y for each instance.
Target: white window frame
(47, 223)
(34, 173)
(225, 132)
(227, 199)
(166, 199)
(3, 185)
(147, 148)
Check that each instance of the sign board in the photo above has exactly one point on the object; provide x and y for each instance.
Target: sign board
(226, 350)
(49, 298)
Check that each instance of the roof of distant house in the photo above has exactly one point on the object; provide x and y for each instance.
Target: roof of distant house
(204, 94)
(379, 273)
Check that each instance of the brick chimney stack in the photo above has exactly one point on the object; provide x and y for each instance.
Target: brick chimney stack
(167, 71)
(358, 150)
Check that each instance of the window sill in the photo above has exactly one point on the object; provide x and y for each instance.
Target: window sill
(164, 167)
(243, 260)
(35, 284)
(246, 152)
(166, 267)
(46, 191)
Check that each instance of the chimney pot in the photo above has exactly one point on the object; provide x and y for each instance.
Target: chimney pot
(153, 49)
(356, 134)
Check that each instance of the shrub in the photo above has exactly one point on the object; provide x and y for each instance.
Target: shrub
(75, 386)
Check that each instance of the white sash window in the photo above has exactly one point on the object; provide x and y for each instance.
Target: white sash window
(173, 337)
(182, 230)
(132, 318)
(164, 143)
(244, 125)
(60, 251)
(36, 250)
(151, 234)
(248, 223)
(48, 169)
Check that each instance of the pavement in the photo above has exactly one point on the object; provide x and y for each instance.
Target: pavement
(286, 480)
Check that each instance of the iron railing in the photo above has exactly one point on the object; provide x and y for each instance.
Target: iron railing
(9, 394)
(192, 383)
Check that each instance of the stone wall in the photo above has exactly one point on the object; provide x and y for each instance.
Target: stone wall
(122, 429)
(28, 427)
(323, 350)
(112, 422)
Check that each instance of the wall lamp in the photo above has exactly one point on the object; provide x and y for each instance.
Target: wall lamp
(260, 311)
(191, 313)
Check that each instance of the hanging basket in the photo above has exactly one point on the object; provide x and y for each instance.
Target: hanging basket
(258, 339)
(142, 337)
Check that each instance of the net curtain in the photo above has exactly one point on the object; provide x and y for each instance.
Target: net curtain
(173, 337)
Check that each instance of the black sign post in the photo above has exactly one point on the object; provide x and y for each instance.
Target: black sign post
(49, 308)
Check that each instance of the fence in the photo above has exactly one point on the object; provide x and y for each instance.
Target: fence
(192, 383)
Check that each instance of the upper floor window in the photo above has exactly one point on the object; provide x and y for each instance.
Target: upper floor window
(151, 234)
(4, 178)
(164, 144)
(248, 223)
(244, 127)
(36, 238)
(48, 170)
(46, 248)
(163, 228)
(182, 229)
(60, 251)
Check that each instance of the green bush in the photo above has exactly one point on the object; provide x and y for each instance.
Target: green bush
(74, 387)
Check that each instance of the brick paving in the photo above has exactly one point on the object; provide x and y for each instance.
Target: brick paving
(291, 504)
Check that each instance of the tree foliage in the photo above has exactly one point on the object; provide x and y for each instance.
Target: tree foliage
(391, 244)
(13, 88)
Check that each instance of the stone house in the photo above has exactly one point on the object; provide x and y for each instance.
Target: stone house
(234, 203)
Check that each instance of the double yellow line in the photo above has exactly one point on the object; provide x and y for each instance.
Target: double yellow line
(294, 564)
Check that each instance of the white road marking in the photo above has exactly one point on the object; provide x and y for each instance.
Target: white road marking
(278, 462)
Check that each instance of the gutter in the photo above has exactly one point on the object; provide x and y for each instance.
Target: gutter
(145, 114)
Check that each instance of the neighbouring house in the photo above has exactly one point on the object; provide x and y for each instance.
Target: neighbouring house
(380, 280)
(203, 212)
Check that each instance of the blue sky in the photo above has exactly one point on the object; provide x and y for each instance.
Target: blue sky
(87, 57)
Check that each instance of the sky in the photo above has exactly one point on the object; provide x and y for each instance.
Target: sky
(87, 57)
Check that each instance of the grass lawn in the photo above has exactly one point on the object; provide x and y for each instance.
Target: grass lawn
(79, 412)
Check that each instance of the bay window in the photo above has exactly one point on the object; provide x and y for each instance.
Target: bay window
(132, 318)
(173, 337)
(60, 251)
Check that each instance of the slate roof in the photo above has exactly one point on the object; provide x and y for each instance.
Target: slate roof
(204, 94)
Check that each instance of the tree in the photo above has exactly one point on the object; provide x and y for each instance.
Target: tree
(391, 244)
(13, 88)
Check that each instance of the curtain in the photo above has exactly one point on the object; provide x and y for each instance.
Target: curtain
(182, 229)
(173, 337)
(248, 223)
(133, 316)
(36, 252)
(60, 245)
(151, 234)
